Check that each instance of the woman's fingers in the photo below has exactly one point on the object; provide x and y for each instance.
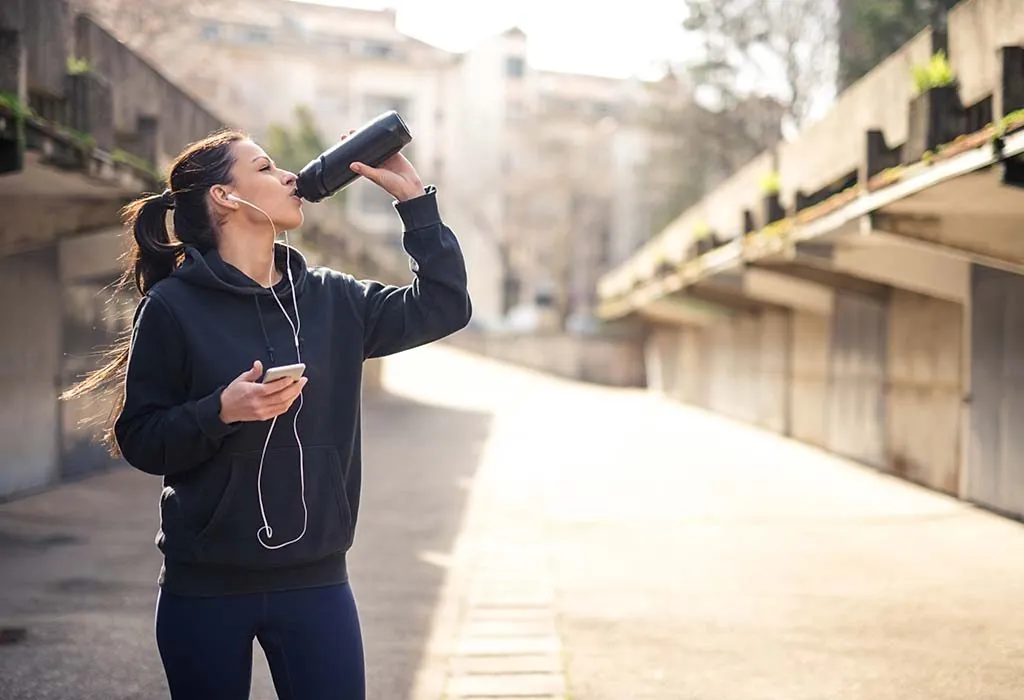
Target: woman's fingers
(280, 385)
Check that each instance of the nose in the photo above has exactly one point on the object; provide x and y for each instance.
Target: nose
(290, 177)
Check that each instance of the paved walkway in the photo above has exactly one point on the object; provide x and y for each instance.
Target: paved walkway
(526, 537)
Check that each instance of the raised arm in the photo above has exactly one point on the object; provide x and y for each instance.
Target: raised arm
(436, 303)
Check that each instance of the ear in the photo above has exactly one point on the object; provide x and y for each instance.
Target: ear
(220, 197)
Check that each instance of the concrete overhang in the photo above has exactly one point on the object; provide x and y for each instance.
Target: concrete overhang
(53, 187)
(880, 259)
(684, 310)
(975, 216)
(920, 233)
(100, 178)
(42, 203)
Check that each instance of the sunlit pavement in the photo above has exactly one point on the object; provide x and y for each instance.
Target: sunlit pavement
(521, 536)
(690, 557)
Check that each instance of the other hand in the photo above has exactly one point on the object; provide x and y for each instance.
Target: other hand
(395, 175)
(247, 399)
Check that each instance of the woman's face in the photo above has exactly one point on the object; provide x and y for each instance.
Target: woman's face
(258, 181)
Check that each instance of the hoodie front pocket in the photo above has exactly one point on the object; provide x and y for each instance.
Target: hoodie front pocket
(235, 534)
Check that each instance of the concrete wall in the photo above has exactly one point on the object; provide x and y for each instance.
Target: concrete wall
(45, 32)
(153, 117)
(724, 206)
(810, 348)
(92, 317)
(977, 29)
(924, 390)
(30, 309)
(773, 371)
(663, 361)
(692, 381)
(610, 361)
(835, 145)
(739, 367)
(888, 394)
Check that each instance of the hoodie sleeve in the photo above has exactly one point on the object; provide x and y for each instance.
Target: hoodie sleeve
(160, 431)
(436, 303)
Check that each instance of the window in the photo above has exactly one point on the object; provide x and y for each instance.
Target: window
(210, 31)
(378, 49)
(254, 35)
(515, 67)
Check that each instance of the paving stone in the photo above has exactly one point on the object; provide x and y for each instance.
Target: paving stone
(520, 685)
(491, 646)
(508, 663)
(497, 612)
(529, 627)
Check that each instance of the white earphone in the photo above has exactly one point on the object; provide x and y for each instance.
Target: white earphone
(295, 422)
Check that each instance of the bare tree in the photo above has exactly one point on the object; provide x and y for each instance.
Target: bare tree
(154, 28)
(760, 69)
(135, 22)
(779, 50)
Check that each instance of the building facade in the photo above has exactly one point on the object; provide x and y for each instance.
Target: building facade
(542, 172)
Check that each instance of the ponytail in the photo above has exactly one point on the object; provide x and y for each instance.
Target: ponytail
(154, 255)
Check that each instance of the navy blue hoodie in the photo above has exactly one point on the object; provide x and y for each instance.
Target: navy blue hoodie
(197, 331)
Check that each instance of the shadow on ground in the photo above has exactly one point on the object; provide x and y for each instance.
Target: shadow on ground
(419, 462)
(78, 564)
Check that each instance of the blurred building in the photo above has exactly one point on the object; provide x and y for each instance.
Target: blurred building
(542, 173)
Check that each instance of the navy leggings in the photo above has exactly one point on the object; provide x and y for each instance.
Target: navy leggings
(311, 638)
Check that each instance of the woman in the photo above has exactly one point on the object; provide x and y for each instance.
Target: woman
(256, 522)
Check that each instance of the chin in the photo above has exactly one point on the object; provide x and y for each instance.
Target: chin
(290, 220)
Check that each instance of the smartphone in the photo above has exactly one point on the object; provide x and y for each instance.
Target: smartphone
(291, 371)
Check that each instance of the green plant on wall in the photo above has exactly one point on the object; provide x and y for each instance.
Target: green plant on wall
(78, 66)
(14, 105)
(22, 113)
(934, 74)
(770, 183)
(123, 157)
(1011, 122)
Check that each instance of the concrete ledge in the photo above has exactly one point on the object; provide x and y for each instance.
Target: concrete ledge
(601, 360)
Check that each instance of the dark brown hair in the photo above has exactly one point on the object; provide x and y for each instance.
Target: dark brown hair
(154, 255)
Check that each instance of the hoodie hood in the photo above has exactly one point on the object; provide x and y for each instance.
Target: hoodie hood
(210, 270)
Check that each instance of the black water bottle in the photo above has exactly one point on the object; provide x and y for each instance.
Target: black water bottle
(372, 144)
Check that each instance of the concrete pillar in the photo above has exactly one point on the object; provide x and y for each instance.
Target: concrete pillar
(13, 81)
(91, 108)
(12, 14)
(13, 78)
(145, 142)
(147, 138)
(1010, 94)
